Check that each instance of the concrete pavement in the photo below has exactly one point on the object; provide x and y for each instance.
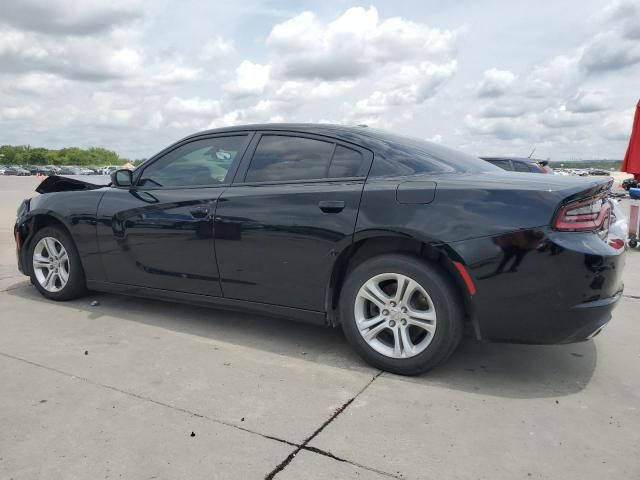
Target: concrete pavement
(116, 391)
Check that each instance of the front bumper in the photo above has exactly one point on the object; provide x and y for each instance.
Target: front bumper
(542, 286)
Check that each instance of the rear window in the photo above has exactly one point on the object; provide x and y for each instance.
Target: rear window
(504, 164)
(280, 157)
(523, 166)
(398, 155)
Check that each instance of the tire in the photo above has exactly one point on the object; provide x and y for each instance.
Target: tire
(434, 322)
(633, 243)
(62, 266)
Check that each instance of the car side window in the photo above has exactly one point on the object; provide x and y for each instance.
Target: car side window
(345, 162)
(281, 157)
(201, 162)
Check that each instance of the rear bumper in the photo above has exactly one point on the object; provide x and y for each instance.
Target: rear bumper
(581, 322)
(542, 286)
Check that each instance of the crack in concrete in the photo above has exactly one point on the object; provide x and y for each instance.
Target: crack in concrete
(635, 297)
(148, 399)
(298, 446)
(339, 459)
(303, 446)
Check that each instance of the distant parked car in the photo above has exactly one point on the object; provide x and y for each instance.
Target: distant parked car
(70, 171)
(108, 170)
(2, 169)
(17, 171)
(38, 170)
(514, 164)
(628, 183)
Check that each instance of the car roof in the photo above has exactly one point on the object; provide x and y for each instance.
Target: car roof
(362, 135)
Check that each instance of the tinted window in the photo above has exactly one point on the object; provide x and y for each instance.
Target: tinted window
(279, 157)
(202, 162)
(521, 166)
(504, 164)
(398, 155)
(345, 163)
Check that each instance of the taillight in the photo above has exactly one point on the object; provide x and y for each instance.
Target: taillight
(585, 215)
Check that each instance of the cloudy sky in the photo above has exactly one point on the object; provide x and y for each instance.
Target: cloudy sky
(491, 77)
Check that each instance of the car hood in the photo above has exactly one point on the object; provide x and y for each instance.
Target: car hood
(63, 183)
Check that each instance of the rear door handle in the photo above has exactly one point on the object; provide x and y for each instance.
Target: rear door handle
(200, 212)
(331, 206)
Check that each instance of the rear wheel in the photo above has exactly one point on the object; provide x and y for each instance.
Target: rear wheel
(401, 314)
(56, 270)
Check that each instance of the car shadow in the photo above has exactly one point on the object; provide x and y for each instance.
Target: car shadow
(515, 371)
(501, 370)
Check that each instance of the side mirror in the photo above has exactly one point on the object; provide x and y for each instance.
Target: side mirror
(122, 178)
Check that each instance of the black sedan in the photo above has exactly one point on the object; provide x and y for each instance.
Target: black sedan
(403, 243)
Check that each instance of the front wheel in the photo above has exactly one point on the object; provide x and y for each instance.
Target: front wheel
(401, 314)
(56, 270)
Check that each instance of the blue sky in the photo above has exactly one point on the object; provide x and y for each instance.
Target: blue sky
(492, 77)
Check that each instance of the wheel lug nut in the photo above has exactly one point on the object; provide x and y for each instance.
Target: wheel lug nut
(392, 323)
(393, 304)
(403, 309)
(385, 312)
(403, 321)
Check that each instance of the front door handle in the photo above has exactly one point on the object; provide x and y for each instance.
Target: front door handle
(331, 206)
(200, 212)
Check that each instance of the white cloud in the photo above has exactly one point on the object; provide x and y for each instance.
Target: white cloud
(588, 102)
(561, 117)
(624, 16)
(37, 84)
(156, 121)
(20, 112)
(353, 44)
(69, 17)
(251, 79)
(495, 82)
(507, 109)
(111, 73)
(301, 90)
(216, 48)
(618, 126)
(608, 51)
(194, 106)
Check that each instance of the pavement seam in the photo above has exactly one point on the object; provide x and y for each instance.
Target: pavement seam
(303, 446)
(148, 399)
(635, 297)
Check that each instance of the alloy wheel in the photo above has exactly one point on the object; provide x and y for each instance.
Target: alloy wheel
(51, 264)
(395, 315)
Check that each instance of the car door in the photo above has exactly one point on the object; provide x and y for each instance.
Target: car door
(291, 209)
(159, 232)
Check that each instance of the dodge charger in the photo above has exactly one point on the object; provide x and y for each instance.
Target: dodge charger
(402, 243)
